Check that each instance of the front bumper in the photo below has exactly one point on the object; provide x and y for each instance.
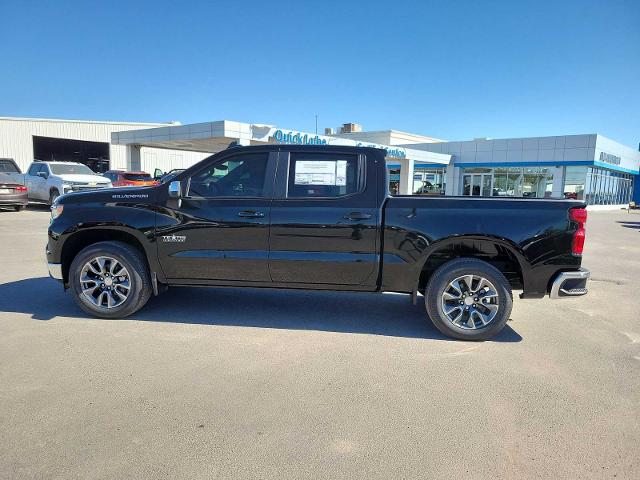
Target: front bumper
(570, 284)
(55, 270)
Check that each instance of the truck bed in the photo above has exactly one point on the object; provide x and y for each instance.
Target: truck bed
(531, 236)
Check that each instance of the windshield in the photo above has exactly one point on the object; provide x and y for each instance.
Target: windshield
(67, 169)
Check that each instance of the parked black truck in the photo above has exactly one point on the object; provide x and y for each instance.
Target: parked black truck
(315, 217)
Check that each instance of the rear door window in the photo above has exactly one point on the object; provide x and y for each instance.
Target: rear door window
(321, 175)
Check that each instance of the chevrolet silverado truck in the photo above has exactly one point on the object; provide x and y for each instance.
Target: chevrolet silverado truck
(315, 217)
(46, 181)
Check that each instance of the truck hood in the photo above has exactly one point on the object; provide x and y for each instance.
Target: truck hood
(111, 195)
(83, 178)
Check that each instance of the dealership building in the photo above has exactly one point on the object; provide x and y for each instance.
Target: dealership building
(587, 167)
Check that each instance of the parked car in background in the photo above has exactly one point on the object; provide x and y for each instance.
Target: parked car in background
(12, 194)
(122, 178)
(46, 181)
(8, 165)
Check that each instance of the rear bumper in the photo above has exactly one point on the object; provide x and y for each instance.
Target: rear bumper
(12, 199)
(570, 284)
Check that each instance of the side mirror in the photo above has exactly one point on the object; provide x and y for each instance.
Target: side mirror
(175, 190)
(44, 175)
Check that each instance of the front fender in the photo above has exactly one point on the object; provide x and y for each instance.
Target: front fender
(83, 224)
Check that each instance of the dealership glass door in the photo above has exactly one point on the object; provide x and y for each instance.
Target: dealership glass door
(477, 184)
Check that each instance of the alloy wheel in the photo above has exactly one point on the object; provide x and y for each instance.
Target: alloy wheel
(470, 302)
(105, 282)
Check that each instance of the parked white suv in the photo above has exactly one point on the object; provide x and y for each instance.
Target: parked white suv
(46, 181)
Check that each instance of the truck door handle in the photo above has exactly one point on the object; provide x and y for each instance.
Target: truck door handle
(250, 214)
(357, 216)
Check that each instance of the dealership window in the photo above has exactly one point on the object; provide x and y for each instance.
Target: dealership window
(426, 181)
(537, 182)
(603, 187)
(394, 181)
(574, 182)
(534, 182)
(477, 182)
(429, 181)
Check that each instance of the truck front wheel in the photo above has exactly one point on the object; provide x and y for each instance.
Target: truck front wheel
(468, 299)
(110, 280)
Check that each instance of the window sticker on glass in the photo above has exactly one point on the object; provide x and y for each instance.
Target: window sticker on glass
(325, 172)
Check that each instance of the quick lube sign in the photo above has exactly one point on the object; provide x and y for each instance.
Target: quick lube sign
(299, 138)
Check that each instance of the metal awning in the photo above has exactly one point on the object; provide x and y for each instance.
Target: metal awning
(216, 136)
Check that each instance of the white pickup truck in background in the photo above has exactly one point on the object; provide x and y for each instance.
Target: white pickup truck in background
(46, 181)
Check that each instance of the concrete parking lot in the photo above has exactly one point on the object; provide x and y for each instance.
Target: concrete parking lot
(226, 383)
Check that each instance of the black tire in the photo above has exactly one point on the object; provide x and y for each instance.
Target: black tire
(139, 279)
(449, 272)
(53, 195)
(19, 208)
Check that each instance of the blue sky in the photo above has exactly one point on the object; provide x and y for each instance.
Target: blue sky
(450, 69)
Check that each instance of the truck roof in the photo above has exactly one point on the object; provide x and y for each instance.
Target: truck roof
(311, 148)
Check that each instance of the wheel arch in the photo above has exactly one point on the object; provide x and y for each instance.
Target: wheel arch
(497, 252)
(86, 237)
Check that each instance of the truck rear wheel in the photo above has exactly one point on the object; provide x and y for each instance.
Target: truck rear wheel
(110, 280)
(468, 299)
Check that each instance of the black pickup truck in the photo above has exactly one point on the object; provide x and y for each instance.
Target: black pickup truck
(315, 217)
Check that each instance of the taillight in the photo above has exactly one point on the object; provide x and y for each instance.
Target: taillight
(578, 215)
(20, 188)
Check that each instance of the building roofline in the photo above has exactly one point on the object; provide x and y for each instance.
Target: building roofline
(493, 139)
(392, 130)
(106, 122)
(401, 131)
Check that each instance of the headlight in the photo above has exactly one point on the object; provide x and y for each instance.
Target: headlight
(56, 211)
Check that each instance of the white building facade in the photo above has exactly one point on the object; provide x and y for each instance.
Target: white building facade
(27, 139)
(588, 167)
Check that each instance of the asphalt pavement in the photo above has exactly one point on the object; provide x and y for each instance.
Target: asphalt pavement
(246, 383)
